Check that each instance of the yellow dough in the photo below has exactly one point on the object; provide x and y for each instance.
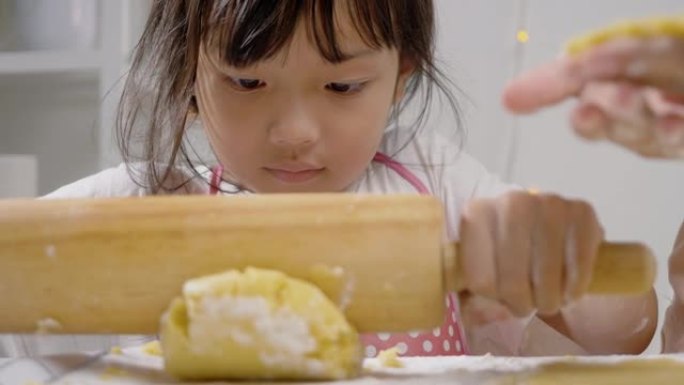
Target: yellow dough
(635, 372)
(257, 324)
(390, 358)
(152, 348)
(643, 28)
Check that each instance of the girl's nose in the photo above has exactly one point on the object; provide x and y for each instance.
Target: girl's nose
(294, 126)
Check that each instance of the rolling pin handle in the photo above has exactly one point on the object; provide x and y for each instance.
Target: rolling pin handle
(620, 269)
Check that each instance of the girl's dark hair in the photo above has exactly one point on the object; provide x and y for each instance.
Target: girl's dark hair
(242, 32)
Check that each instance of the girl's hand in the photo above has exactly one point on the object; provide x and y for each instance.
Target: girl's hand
(631, 92)
(530, 252)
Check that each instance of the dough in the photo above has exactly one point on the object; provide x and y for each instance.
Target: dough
(152, 348)
(390, 358)
(634, 372)
(257, 324)
(651, 27)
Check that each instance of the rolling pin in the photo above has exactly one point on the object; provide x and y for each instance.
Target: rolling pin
(113, 265)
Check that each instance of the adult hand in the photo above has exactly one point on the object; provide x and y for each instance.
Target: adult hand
(630, 91)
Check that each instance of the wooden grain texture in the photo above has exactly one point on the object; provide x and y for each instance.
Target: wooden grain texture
(113, 265)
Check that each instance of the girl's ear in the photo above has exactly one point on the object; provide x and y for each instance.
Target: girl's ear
(406, 69)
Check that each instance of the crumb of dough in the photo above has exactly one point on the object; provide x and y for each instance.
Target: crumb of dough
(641, 28)
(112, 372)
(116, 350)
(389, 358)
(257, 324)
(153, 348)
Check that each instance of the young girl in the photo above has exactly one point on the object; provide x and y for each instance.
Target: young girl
(311, 96)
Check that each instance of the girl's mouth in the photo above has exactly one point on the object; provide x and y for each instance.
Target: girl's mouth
(294, 173)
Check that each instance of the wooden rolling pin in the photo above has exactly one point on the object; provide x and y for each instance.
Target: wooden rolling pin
(113, 265)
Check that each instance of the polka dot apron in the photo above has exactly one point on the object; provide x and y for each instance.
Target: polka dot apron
(446, 340)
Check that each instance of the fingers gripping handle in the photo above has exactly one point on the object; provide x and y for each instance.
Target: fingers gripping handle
(620, 268)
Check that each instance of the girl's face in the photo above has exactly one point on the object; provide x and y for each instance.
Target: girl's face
(295, 122)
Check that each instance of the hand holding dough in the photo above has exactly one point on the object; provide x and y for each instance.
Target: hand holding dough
(629, 83)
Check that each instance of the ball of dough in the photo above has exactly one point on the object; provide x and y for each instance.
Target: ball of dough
(257, 324)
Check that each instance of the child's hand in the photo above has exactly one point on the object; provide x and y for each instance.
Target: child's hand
(631, 92)
(530, 252)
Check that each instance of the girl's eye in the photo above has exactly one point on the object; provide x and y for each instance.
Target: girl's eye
(345, 88)
(246, 84)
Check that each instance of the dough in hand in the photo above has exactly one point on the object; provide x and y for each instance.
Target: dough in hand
(672, 26)
(257, 324)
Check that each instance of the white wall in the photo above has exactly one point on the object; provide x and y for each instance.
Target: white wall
(476, 43)
(636, 199)
(56, 118)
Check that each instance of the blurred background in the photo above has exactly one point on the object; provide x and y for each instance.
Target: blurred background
(62, 61)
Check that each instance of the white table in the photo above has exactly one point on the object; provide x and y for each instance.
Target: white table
(135, 367)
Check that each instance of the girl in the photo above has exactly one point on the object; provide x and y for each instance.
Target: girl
(311, 96)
